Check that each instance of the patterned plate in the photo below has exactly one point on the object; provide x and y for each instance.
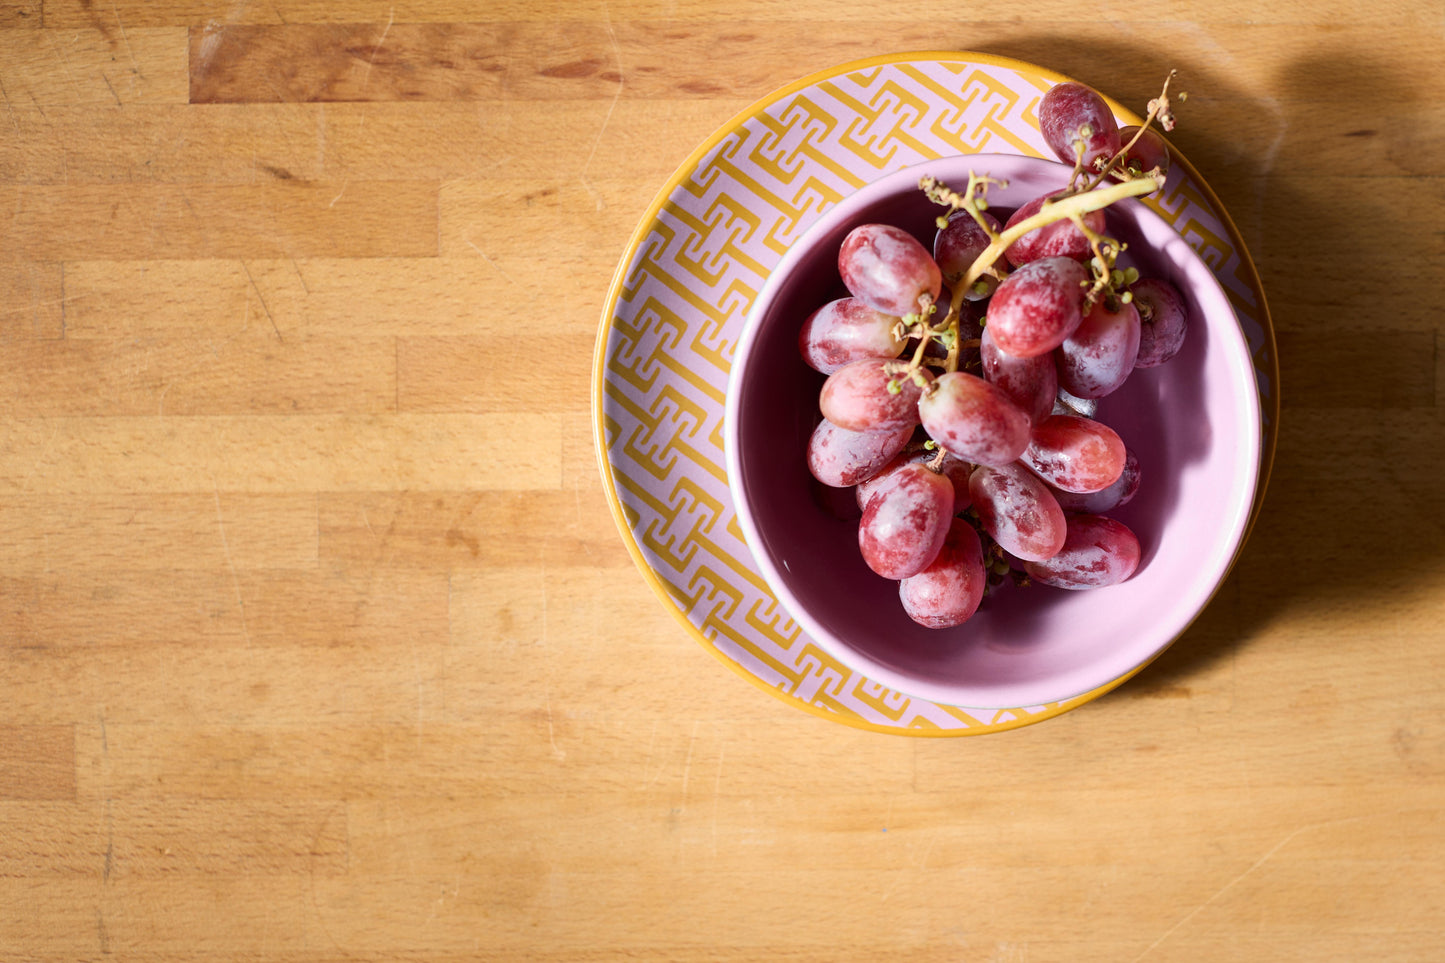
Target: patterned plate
(682, 293)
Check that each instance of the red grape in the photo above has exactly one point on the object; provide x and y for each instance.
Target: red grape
(1062, 238)
(1038, 306)
(1075, 453)
(949, 590)
(956, 470)
(1100, 354)
(974, 420)
(886, 268)
(1097, 551)
(1017, 510)
(906, 521)
(959, 244)
(847, 330)
(1163, 321)
(1105, 499)
(1032, 383)
(1151, 150)
(857, 397)
(1073, 116)
(839, 458)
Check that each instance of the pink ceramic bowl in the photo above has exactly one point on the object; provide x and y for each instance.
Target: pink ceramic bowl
(1194, 423)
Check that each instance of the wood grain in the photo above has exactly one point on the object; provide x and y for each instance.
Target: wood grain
(318, 641)
(358, 220)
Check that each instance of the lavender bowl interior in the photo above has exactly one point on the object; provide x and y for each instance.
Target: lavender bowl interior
(1194, 424)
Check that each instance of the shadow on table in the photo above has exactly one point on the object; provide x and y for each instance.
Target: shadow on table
(1319, 183)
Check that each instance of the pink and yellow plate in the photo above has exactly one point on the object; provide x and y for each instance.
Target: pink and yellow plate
(682, 293)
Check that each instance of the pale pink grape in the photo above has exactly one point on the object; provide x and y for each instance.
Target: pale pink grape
(844, 331)
(1124, 488)
(974, 420)
(841, 458)
(1075, 453)
(955, 469)
(1038, 306)
(887, 268)
(905, 522)
(857, 397)
(948, 592)
(1097, 552)
(1017, 510)
(1062, 238)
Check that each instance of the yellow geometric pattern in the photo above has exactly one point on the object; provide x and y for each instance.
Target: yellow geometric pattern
(683, 293)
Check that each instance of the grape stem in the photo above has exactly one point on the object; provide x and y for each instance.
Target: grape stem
(1160, 109)
(1077, 204)
(1073, 206)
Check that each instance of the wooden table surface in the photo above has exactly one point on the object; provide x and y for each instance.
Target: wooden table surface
(318, 641)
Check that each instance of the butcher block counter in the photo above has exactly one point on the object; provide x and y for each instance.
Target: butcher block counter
(324, 637)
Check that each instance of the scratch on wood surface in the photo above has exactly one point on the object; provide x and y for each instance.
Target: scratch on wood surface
(371, 61)
(687, 763)
(130, 52)
(485, 257)
(262, 298)
(1269, 854)
(206, 49)
(9, 107)
(230, 564)
(109, 863)
(64, 65)
(607, 119)
(557, 753)
(316, 852)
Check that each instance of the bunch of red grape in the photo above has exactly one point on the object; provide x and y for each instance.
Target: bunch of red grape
(962, 383)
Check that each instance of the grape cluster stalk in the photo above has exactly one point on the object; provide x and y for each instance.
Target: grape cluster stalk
(962, 382)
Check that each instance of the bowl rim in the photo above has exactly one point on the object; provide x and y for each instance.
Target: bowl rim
(1006, 695)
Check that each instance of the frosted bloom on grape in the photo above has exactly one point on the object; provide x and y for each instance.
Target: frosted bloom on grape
(1017, 510)
(840, 458)
(1097, 551)
(905, 522)
(1038, 306)
(1163, 321)
(887, 268)
(974, 420)
(1072, 117)
(1076, 454)
(844, 331)
(1101, 353)
(1062, 238)
(949, 590)
(864, 396)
